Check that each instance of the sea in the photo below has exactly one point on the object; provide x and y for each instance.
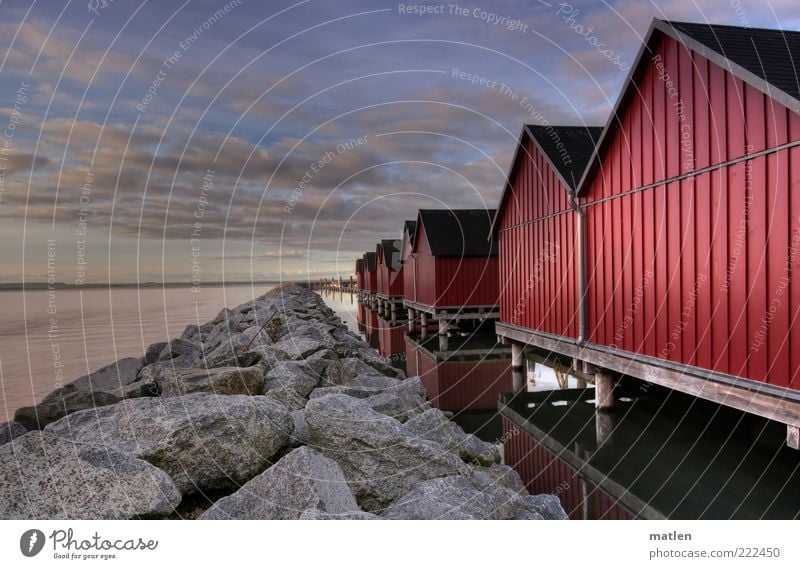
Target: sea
(48, 338)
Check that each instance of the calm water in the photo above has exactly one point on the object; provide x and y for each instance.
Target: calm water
(91, 328)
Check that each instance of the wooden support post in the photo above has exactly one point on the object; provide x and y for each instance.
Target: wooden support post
(793, 436)
(423, 324)
(412, 317)
(603, 390)
(393, 310)
(518, 380)
(517, 356)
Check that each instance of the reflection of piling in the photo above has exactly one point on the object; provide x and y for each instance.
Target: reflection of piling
(423, 324)
(604, 426)
(518, 379)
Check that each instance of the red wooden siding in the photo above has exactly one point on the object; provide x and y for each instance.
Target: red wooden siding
(382, 274)
(545, 473)
(696, 270)
(371, 280)
(537, 239)
(409, 276)
(360, 274)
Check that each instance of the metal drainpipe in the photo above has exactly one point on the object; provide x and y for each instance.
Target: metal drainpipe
(580, 238)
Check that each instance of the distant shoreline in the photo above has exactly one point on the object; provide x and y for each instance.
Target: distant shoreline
(65, 286)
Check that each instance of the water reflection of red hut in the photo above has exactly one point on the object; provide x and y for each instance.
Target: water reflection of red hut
(391, 343)
(459, 383)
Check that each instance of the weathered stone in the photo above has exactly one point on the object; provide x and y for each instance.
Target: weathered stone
(46, 477)
(448, 498)
(141, 388)
(381, 461)
(398, 404)
(512, 500)
(179, 347)
(154, 371)
(545, 505)
(204, 441)
(221, 380)
(366, 361)
(300, 434)
(224, 315)
(60, 403)
(111, 378)
(295, 375)
(434, 426)
(300, 347)
(359, 367)
(153, 351)
(501, 474)
(318, 515)
(302, 480)
(191, 333)
(288, 397)
(11, 430)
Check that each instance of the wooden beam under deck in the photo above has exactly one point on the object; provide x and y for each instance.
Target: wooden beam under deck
(743, 394)
(455, 312)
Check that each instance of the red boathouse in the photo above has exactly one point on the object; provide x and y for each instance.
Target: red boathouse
(687, 224)
(455, 267)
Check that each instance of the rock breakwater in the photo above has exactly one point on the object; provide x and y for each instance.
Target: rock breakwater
(273, 410)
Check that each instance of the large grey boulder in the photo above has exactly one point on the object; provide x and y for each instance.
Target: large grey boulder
(202, 440)
(111, 378)
(235, 346)
(448, 498)
(153, 352)
(300, 347)
(434, 426)
(291, 374)
(300, 482)
(43, 476)
(222, 380)
(300, 433)
(399, 404)
(381, 461)
(10, 431)
(180, 348)
(288, 397)
(60, 403)
(512, 500)
(370, 364)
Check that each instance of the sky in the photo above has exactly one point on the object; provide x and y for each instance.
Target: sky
(145, 141)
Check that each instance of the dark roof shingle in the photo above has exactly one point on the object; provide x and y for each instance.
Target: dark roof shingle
(569, 148)
(411, 229)
(391, 252)
(459, 232)
(772, 55)
(371, 261)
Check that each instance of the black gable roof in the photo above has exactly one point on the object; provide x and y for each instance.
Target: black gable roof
(391, 252)
(459, 232)
(569, 148)
(371, 261)
(411, 229)
(772, 55)
(360, 265)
